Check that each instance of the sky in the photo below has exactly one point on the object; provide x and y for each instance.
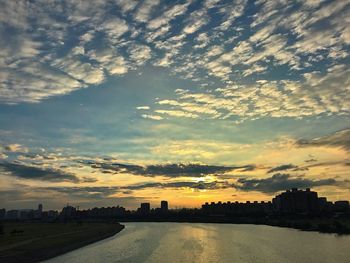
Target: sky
(118, 102)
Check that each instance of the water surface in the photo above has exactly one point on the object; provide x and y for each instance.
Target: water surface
(186, 242)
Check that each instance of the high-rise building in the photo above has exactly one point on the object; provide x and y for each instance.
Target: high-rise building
(164, 206)
(68, 212)
(296, 201)
(145, 208)
(2, 213)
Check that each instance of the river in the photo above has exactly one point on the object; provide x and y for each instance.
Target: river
(188, 242)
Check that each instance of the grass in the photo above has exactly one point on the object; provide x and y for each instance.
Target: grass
(32, 242)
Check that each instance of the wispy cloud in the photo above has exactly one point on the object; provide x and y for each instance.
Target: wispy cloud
(282, 167)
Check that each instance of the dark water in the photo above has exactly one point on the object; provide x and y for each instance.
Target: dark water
(186, 242)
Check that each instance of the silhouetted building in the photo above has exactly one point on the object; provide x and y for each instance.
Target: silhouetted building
(237, 208)
(2, 213)
(145, 208)
(12, 214)
(102, 212)
(38, 214)
(324, 205)
(68, 212)
(296, 201)
(52, 214)
(341, 206)
(164, 206)
(26, 214)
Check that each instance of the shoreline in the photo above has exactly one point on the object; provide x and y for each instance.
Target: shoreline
(72, 247)
(50, 246)
(324, 227)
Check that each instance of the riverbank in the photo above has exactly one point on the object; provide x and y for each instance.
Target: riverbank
(340, 226)
(34, 242)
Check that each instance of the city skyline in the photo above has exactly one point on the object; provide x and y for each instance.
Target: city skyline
(125, 101)
(163, 206)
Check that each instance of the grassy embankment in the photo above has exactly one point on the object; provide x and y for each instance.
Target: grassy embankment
(33, 242)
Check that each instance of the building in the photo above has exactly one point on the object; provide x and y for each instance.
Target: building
(145, 208)
(68, 212)
(341, 206)
(12, 214)
(164, 206)
(26, 214)
(38, 214)
(52, 214)
(237, 208)
(2, 213)
(296, 202)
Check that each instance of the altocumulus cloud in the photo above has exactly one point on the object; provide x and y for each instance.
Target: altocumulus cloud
(201, 41)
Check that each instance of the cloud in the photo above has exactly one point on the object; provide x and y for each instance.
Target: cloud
(338, 139)
(282, 167)
(168, 15)
(168, 170)
(140, 54)
(92, 192)
(127, 5)
(110, 60)
(145, 9)
(114, 28)
(143, 107)
(177, 170)
(277, 99)
(36, 173)
(196, 20)
(15, 148)
(177, 113)
(307, 43)
(84, 72)
(280, 182)
(32, 82)
(201, 185)
(152, 117)
(231, 13)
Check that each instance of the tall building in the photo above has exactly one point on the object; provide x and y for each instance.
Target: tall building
(2, 213)
(164, 206)
(68, 212)
(145, 208)
(296, 201)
